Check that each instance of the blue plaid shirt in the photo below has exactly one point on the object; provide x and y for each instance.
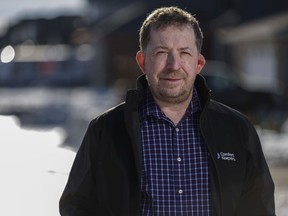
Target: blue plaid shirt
(175, 178)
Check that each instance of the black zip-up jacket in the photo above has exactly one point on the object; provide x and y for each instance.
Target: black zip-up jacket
(106, 174)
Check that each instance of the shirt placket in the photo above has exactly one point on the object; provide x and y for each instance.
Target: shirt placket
(178, 167)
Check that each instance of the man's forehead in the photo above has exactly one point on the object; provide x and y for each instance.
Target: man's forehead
(181, 29)
(170, 33)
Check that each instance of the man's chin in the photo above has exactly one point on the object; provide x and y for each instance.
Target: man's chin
(174, 98)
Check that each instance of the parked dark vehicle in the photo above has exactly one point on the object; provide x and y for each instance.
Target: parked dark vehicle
(263, 108)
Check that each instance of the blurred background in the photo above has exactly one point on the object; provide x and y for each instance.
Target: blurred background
(63, 62)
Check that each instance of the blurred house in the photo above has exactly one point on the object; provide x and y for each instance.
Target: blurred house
(259, 52)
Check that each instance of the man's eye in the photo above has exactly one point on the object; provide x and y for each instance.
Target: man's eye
(186, 53)
(161, 52)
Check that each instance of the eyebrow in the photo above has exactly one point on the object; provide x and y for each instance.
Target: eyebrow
(185, 49)
(160, 47)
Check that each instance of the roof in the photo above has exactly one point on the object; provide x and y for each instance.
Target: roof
(266, 28)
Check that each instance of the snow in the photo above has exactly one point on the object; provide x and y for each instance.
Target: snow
(275, 145)
(34, 169)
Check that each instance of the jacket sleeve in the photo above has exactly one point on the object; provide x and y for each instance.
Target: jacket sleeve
(258, 193)
(78, 196)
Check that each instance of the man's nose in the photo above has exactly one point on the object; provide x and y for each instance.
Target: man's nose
(173, 62)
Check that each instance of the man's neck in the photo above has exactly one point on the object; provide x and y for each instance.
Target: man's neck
(174, 112)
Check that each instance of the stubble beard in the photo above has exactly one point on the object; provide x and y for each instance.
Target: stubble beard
(172, 94)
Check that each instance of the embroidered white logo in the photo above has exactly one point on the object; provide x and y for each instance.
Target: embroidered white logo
(226, 156)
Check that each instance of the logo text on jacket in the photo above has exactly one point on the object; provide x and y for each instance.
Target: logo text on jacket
(226, 156)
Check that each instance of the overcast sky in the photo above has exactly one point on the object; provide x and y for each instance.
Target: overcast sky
(11, 10)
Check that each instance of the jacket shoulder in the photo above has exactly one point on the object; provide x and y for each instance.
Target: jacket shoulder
(226, 120)
(113, 113)
(223, 109)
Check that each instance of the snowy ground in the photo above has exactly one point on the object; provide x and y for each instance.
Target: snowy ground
(34, 168)
(275, 147)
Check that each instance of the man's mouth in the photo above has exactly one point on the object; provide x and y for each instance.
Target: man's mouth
(170, 79)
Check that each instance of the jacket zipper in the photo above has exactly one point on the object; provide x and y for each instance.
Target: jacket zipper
(215, 170)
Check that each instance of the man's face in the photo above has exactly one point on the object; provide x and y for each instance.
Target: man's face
(171, 62)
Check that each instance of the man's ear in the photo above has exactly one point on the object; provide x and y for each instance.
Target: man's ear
(201, 63)
(140, 58)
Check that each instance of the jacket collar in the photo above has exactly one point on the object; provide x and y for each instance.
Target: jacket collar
(202, 89)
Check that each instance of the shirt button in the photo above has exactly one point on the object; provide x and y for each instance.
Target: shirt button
(177, 129)
(180, 191)
(179, 159)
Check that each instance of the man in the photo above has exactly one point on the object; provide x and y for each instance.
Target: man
(169, 149)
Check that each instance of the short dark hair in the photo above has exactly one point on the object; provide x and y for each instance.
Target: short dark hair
(166, 16)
